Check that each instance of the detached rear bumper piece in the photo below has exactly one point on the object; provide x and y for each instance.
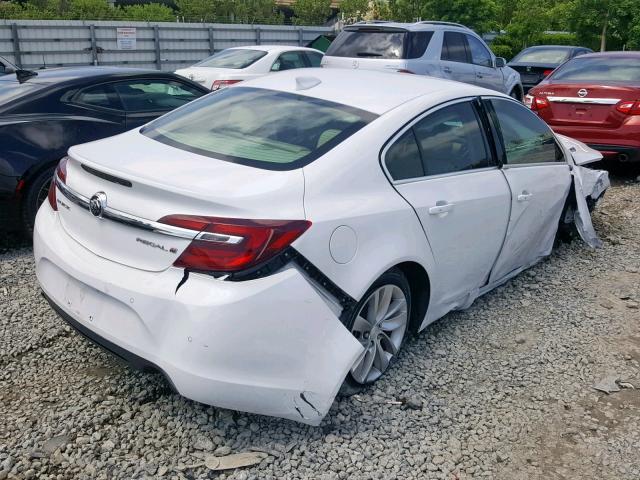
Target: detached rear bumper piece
(270, 346)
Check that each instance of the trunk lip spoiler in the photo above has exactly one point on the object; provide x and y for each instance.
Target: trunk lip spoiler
(128, 219)
(595, 101)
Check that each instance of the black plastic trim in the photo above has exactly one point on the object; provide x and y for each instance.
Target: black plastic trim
(106, 176)
(346, 301)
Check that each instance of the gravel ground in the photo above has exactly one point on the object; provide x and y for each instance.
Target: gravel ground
(503, 390)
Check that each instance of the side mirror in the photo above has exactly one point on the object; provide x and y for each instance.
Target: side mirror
(500, 62)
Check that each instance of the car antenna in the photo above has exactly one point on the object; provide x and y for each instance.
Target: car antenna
(44, 63)
(24, 75)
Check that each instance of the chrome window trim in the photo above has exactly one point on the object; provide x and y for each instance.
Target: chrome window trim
(536, 164)
(445, 175)
(144, 224)
(594, 101)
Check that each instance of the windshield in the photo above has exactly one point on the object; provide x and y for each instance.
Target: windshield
(10, 90)
(232, 58)
(258, 127)
(601, 69)
(380, 43)
(543, 55)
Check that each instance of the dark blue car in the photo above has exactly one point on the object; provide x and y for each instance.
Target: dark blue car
(44, 112)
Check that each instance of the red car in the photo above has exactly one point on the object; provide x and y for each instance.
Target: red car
(594, 98)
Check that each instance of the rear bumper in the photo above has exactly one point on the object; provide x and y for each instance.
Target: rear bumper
(270, 346)
(622, 153)
(610, 142)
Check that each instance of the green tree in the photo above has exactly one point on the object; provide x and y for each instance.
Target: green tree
(198, 10)
(605, 24)
(149, 12)
(354, 10)
(311, 12)
(250, 11)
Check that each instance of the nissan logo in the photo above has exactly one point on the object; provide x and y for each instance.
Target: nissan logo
(98, 204)
(583, 92)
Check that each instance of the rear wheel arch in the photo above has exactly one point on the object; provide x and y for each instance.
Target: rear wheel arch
(517, 93)
(420, 286)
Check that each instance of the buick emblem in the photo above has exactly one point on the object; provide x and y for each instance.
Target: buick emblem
(582, 92)
(97, 204)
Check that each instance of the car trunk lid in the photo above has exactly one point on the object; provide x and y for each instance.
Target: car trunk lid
(579, 104)
(145, 179)
(533, 73)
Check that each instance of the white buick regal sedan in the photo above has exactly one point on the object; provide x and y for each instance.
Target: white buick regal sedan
(266, 243)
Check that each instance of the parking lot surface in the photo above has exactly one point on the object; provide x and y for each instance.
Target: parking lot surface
(503, 390)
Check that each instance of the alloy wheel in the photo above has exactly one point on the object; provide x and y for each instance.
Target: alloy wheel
(380, 327)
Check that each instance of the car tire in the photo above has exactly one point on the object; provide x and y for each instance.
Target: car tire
(515, 94)
(36, 194)
(381, 323)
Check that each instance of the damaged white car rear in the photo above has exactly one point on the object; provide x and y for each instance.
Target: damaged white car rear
(268, 242)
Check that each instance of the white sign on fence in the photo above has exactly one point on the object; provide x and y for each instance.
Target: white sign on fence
(126, 38)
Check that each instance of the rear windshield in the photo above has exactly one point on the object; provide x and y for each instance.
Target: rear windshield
(543, 55)
(380, 43)
(236, 58)
(602, 69)
(10, 90)
(257, 127)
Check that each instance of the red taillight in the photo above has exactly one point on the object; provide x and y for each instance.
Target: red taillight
(539, 103)
(547, 72)
(61, 173)
(231, 244)
(629, 107)
(218, 84)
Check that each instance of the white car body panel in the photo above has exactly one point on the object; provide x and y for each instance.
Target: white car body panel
(205, 76)
(538, 196)
(221, 342)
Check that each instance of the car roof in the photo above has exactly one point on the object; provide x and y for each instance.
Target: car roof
(374, 91)
(70, 74)
(415, 26)
(627, 54)
(554, 47)
(274, 48)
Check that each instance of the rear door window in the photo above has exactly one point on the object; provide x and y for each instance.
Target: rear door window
(479, 53)
(103, 96)
(524, 136)
(289, 61)
(448, 140)
(154, 95)
(313, 58)
(417, 43)
(259, 127)
(451, 140)
(454, 47)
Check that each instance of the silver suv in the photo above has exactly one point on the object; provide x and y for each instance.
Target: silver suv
(438, 49)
